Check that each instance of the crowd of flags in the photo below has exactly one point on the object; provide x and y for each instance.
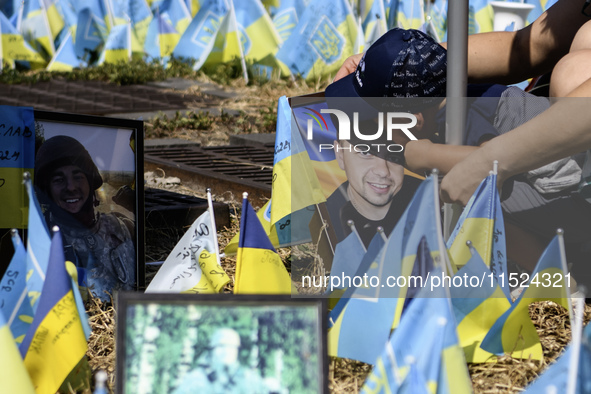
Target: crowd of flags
(418, 339)
(43, 324)
(309, 38)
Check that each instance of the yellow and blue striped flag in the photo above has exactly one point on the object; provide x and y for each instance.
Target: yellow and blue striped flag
(514, 332)
(198, 39)
(257, 33)
(15, 47)
(65, 58)
(141, 16)
(14, 302)
(477, 308)
(55, 343)
(161, 39)
(406, 14)
(426, 339)
(38, 245)
(35, 28)
(363, 327)
(324, 37)
(178, 13)
(482, 224)
(259, 269)
(54, 17)
(117, 48)
(226, 44)
(13, 374)
(295, 184)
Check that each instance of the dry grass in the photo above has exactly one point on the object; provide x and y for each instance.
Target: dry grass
(505, 375)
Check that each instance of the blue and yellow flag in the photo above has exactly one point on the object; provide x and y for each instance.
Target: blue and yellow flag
(179, 14)
(38, 245)
(406, 14)
(437, 18)
(14, 302)
(324, 37)
(426, 339)
(368, 259)
(483, 16)
(55, 343)
(15, 47)
(374, 23)
(477, 308)
(287, 214)
(13, 374)
(286, 15)
(198, 39)
(259, 269)
(363, 327)
(65, 58)
(482, 224)
(226, 44)
(35, 28)
(514, 332)
(348, 255)
(117, 48)
(141, 16)
(559, 374)
(256, 31)
(162, 38)
(295, 184)
(91, 33)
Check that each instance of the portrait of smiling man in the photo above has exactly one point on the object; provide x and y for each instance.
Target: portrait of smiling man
(99, 244)
(376, 192)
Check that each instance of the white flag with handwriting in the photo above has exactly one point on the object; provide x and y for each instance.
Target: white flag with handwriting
(192, 265)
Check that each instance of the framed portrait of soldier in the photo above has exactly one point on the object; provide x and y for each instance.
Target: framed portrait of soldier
(88, 179)
(222, 343)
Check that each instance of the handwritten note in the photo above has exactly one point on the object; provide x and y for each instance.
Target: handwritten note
(17, 155)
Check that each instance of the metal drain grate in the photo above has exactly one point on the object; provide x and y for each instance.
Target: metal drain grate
(94, 98)
(224, 169)
(164, 208)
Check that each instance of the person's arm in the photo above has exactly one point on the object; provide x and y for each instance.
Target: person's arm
(424, 155)
(562, 130)
(511, 57)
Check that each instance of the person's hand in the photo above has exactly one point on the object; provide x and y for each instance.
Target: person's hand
(416, 154)
(349, 65)
(460, 183)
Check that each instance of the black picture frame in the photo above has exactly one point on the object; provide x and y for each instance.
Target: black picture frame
(165, 340)
(108, 134)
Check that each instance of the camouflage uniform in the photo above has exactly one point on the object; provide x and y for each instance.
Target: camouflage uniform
(217, 377)
(236, 379)
(104, 254)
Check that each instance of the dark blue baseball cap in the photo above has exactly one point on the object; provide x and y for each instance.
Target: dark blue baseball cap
(401, 63)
